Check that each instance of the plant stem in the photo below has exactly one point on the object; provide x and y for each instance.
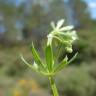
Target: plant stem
(53, 86)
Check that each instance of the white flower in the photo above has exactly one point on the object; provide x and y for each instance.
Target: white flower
(65, 34)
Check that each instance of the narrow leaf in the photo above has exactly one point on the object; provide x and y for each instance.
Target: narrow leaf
(29, 65)
(60, 66)
(36, 56)
(49, 57)
(72, 59)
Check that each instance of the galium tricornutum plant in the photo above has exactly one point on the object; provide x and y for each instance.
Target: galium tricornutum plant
(65, 36)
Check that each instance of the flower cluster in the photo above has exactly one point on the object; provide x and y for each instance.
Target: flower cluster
(66, 35)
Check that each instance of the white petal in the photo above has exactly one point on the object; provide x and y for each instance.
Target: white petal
(67, 28)
(52, 25)
(59, 23)
(74, 35)
(50, 37)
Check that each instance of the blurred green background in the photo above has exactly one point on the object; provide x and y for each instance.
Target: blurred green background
(24, 21)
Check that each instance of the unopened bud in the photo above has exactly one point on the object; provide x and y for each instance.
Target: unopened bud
(69, 49)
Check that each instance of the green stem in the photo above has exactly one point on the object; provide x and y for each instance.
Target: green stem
(53, 86)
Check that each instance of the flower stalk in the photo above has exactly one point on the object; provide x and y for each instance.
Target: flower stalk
(53, 86)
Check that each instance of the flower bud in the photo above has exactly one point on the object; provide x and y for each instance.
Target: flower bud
(69, 49)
